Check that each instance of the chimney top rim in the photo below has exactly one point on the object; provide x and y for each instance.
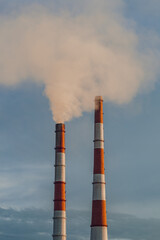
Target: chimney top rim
(98, 98)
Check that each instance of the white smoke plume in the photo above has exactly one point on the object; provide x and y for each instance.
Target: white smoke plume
(77, 56)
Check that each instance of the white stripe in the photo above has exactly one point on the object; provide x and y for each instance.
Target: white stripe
(60, 158)
(99, 233)
(98, 144)
(59, 226)
(99, 178)
(59, 214)
(60, 173)
(99, 192)
(98, 131)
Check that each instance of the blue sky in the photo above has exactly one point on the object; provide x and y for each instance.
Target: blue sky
(131, 156)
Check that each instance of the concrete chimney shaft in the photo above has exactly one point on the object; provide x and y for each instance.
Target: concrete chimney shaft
(59, 219)
(99, 218)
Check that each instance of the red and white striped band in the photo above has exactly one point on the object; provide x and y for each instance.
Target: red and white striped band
(99, 218)
(59, 230)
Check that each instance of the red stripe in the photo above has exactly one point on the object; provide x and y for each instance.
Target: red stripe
(60, 137)
(59, 191)
(99, 111)
(59, 205)
(99, 213)
(98, 161)
(60, 140)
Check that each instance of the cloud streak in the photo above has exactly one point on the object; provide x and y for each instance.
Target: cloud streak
(76, 56)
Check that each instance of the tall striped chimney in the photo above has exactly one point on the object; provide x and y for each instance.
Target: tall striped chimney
(99, 218)
(59, 219)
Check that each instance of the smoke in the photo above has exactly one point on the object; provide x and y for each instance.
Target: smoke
(76, 56)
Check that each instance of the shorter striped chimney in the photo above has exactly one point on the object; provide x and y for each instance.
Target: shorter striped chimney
(59, 219)
(99, 218)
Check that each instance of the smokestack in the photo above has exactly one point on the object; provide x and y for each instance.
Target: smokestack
(59, 219)
(99, 218)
